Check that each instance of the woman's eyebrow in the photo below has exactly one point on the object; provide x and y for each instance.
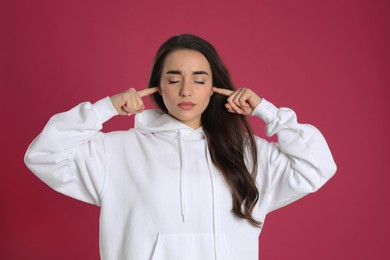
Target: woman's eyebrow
(201, 72)
(175, 72)
(178, 72)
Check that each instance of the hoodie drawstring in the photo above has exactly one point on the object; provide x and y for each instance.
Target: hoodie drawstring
(214, 212)
(182, 176)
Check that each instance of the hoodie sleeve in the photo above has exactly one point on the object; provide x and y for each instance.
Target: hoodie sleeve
(299, 164)
(69, 154)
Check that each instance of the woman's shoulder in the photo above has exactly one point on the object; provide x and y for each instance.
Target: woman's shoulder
(263, 144)
(120, 134)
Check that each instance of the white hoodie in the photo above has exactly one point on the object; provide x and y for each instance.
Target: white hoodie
(161, 197)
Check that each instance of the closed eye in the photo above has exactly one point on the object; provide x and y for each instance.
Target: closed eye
(173, 81)
(200, 82)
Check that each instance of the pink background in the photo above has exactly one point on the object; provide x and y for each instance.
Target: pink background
(328, 60)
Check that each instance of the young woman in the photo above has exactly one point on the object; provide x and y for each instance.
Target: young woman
(190, 181)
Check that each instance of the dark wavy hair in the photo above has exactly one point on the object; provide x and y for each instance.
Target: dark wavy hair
(229, 136)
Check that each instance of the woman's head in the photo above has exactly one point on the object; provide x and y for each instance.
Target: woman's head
(186, 48)
(186, 86)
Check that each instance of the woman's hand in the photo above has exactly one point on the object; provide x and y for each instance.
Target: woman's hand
(130, 102)
(241, 101)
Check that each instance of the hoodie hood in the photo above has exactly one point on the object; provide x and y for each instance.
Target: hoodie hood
(154, 121)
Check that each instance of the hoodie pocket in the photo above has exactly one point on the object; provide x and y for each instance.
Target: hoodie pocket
(189, 247)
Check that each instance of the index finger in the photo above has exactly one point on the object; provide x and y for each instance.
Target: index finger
(223, 91)
(148, 91)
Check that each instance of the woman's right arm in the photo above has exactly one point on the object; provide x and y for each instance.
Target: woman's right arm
(69, 154)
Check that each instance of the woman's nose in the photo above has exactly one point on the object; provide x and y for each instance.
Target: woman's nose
(185, 90)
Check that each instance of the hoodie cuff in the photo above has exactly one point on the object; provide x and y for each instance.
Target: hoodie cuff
(266, 111)
(104, 109)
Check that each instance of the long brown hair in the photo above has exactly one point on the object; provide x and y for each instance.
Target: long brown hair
(230, 137)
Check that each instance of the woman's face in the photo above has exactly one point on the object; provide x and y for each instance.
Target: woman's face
(186, 86)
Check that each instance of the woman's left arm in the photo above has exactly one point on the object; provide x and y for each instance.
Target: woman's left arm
(300, 163)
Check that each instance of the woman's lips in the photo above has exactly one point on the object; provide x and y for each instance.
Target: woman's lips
(186, 105)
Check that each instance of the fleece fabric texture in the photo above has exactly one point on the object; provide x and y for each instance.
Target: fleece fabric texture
(160, 195)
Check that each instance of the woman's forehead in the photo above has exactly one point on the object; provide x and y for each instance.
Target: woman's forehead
(186, 60)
